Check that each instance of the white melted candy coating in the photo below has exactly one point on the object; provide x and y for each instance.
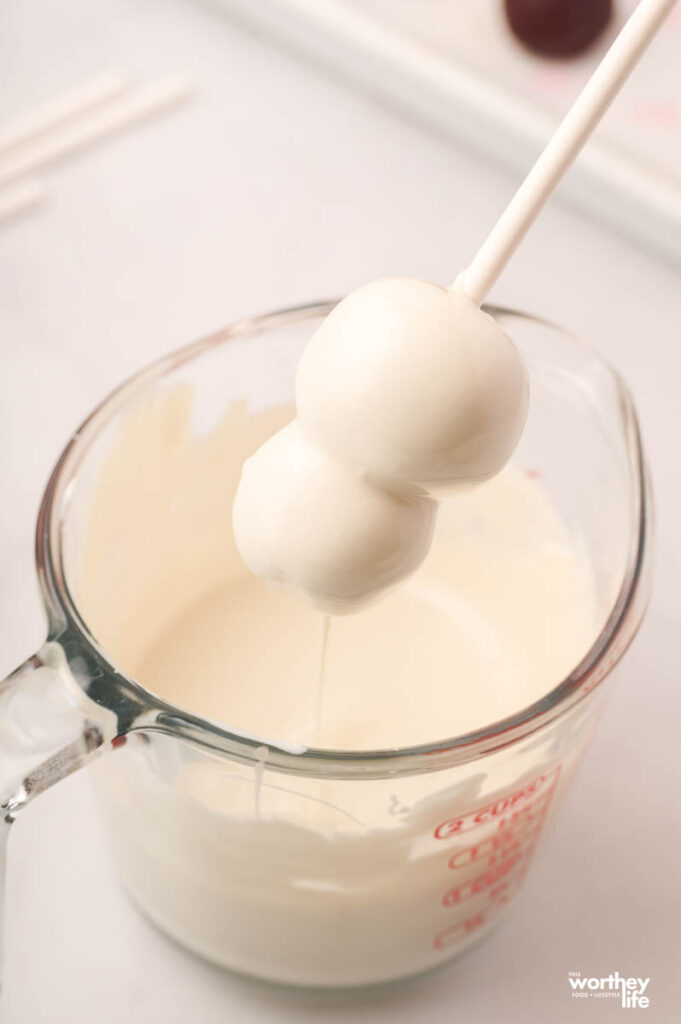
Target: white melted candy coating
(413, 383)
(406, 391)
(304, 520)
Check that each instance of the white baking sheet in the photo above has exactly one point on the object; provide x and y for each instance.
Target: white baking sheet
(454, 64)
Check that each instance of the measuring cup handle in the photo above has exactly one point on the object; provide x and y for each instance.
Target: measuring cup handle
(48, 728)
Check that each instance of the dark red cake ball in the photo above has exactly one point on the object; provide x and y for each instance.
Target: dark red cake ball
(558, 28)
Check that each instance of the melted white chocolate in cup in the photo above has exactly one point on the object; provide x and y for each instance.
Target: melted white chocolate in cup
(302, 879)
(501, 609)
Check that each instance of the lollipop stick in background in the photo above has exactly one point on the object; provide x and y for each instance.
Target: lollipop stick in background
(94, 126)
(19, 199)
(64, 108)
(562, 149)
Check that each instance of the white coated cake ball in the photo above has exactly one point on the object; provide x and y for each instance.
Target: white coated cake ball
(412, 383)
(305, 521)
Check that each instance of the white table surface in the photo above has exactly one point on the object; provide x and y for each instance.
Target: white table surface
(276, 186)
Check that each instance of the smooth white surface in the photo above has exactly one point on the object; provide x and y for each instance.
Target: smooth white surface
(414, 386)
(407, 390)
(279, 186)
(304, 521)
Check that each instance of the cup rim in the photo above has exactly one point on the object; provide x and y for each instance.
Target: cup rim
(64, 617)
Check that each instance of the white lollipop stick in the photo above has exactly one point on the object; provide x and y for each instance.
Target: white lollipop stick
(562, 148)
(93, 127)
(19, 199)
(65, 107)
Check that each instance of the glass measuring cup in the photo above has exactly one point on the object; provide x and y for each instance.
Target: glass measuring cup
(374, 864)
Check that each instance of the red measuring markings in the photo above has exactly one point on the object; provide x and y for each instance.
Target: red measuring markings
(460, 930)
(495, 848)
(499, 896)
(496, 812)
(475, 886)
(450, 936)
(503, 854)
